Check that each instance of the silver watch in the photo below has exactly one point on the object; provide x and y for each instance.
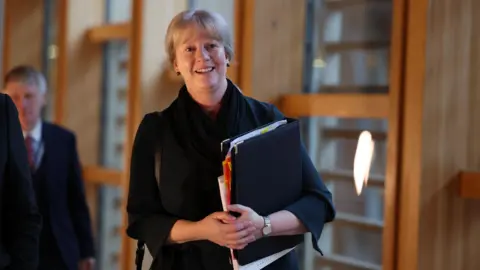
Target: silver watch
(267, 227)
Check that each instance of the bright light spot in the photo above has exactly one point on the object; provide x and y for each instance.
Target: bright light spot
(363, 160)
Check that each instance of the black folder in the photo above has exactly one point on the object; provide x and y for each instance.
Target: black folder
(267, 177)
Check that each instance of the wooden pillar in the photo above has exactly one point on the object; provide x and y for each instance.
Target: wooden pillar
(272, 48)
(23, 33)
(438, 228)
(82, 89)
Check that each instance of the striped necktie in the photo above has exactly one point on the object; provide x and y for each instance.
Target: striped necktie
(29, 146)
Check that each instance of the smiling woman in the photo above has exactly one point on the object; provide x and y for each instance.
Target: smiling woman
(177, 211)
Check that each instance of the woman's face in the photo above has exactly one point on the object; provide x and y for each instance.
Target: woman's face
(201, 60)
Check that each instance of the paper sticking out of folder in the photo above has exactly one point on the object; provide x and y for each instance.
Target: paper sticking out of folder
(224, 196)
(255, 133)
(363, 160)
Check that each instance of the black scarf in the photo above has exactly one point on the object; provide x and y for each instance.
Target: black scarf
(201, 135)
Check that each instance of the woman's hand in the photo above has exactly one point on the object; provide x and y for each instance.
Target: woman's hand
(225, 230)
(248, 214)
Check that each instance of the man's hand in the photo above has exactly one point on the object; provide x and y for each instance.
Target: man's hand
(86, 264)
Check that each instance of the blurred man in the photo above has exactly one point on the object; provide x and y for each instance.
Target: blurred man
(66, 240)
(20, 221)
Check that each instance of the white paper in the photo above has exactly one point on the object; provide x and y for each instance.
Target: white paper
(223, 192)
(262, 263)
(256, 133)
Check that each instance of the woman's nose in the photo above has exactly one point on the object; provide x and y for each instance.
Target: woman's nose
(202, 54)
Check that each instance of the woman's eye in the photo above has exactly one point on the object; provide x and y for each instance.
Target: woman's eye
(189, 49)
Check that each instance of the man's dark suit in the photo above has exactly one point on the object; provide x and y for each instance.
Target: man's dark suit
(67, 236)
(20, 221)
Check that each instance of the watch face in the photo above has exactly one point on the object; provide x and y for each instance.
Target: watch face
(267, 230)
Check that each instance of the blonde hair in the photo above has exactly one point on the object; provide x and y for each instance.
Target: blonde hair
(212, 22)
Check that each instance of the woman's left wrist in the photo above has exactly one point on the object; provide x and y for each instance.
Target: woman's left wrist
(259, 222)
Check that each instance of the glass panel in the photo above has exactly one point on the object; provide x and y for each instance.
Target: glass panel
(223, 7)
(49, 55)
(115, 103)
(113, 137)
(359, 21)
(349, 46)
(355, 67)
(114, 110)
(118, 11)
(347, 50)
(355, 237)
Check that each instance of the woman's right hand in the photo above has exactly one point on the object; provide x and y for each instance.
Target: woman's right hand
(224, 230)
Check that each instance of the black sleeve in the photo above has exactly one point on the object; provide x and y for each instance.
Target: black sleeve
(22, 218)
(315, 208)
(78, 203)
(147, 219)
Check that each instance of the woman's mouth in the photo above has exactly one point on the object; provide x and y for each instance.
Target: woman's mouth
(204, 70)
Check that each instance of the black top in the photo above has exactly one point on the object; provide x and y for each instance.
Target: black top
(191, 162)
(20, 220)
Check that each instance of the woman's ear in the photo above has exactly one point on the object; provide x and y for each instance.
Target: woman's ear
(175, 67)
(227, 59)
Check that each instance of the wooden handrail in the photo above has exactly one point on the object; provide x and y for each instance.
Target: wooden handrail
(336, 259)
(338, 4)
(109, 32)
(347, 89)
(335, 105)
(347, 175)
(358, 221)
(102, 176)
(331, 47)
(351, 133)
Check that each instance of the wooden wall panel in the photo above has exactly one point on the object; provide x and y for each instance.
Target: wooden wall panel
(277, 54)
(470, 257)
(450, 137)
(25, 21)
(438, 229)
(83, 86)
(159, 83)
